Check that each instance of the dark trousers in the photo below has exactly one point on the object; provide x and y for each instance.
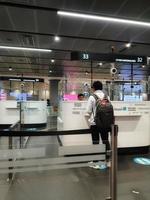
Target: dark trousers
(96, 133)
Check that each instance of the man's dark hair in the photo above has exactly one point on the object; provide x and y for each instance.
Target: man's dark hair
(97, 85)
(80, 95)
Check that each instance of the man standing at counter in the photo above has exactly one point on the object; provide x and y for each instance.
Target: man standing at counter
(90, 115)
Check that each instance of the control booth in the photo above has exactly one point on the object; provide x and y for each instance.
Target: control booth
(132, 119)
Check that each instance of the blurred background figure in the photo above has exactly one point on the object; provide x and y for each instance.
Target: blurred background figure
(48, 102)
(81, 97)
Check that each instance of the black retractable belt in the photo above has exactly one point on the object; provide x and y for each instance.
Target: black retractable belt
(43, 133)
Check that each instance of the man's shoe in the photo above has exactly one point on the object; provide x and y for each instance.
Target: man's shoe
(103, 166)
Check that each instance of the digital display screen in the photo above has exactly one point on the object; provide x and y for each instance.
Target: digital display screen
(132, 98)
(20, 96)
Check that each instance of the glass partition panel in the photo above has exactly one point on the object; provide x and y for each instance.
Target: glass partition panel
(55, 170)
(43, 168)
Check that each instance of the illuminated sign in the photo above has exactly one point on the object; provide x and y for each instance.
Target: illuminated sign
(136, 60)
(24, 79)
(85, 56)
(108, 57)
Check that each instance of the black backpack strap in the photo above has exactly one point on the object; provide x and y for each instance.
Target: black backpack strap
(96, 98)
(105, 96)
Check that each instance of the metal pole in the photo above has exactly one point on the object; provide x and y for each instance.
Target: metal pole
(113, 167)
(33, 88)
(21, 124)
(131, 78)
(91, 73)
(20, 138)
(10, 85)
(114, 162)
(123, 90)
(10, 175)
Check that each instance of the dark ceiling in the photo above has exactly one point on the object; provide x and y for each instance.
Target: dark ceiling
(33, 23)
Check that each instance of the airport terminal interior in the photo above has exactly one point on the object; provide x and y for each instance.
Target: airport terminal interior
(51, 53)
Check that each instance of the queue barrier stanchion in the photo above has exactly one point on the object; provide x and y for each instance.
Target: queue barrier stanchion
(113, 166)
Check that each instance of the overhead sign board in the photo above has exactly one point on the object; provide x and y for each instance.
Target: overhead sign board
(24, 79)
(108, 57)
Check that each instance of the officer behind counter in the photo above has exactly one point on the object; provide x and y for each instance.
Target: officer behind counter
(81, 97)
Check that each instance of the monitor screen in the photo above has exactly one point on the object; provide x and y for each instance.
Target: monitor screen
(20, 96)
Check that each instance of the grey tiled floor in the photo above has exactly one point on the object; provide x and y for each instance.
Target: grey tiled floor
(81, 183)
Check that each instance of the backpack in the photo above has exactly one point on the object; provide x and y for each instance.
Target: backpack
(104, 114)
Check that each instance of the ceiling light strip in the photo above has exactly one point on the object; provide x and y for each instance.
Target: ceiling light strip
(25, 49)
(103, 18)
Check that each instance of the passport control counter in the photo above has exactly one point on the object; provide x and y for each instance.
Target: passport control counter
(33, 113)
(132, 118)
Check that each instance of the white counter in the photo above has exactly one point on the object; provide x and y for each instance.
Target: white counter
(33, 112)
(71, 117)
(132, 119)
(9, 112)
